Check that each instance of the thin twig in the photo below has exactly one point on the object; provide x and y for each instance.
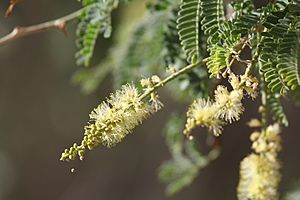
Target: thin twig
(11, 6)
(172, 77)
(238, 54)
(59, 24)
(235, 57)
(253, 63)
(263, 107)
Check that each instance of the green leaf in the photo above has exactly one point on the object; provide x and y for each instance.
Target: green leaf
(187, 161)
(93, 21)
(280, 52)
(213, 17)
(275, 108)
(188, 28)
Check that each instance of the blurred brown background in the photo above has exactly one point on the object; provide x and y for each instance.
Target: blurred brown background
(41, 113)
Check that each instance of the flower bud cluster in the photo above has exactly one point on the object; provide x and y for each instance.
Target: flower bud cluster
(268, 142)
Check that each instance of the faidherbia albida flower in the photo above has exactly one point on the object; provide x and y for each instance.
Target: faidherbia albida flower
(259, 172)
(112, 120)
(203, 113)
(229, 104)
(259, 178)
(226, 108)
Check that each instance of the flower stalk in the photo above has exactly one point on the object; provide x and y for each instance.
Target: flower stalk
(172, 77)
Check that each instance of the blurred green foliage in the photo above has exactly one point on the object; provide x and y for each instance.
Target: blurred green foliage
(187, 159)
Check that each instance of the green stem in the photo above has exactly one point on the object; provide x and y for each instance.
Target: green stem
(263, 109)
(238, 54)
(264, 115)
(172, 77)
(253, 63)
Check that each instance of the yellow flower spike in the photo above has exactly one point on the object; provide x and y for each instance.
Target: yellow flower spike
(112, 120)
(229, 103)
(259, 172)
(226, 108)
(259, 178)
(203, 113)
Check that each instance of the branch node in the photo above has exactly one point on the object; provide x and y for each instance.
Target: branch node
(61, 25)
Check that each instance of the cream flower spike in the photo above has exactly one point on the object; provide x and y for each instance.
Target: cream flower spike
(259, 172)
(229, 103)
(203, 113)
(112, 120)
(226, 108)
(259, 178)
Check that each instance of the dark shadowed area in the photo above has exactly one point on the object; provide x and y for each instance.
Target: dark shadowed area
(41, 113)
